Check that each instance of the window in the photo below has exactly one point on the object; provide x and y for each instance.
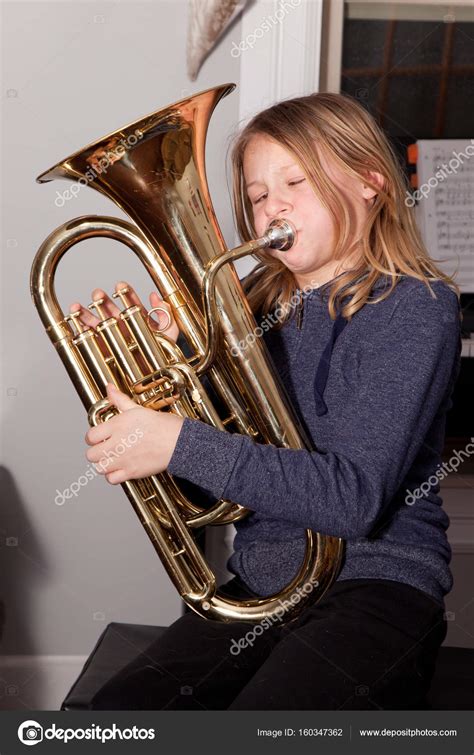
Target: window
(412, 66)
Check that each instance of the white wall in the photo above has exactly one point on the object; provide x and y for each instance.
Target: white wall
(80, 71)
(74, 72)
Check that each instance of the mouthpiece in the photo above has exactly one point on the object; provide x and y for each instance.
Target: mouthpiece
(280, 234)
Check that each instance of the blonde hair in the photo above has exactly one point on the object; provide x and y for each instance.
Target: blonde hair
(390, 242)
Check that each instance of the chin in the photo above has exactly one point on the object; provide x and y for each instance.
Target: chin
(297, 260)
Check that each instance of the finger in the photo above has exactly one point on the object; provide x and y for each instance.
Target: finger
(104, 457)
(108, 306)
(106, 464)
(116, 477)
(131, 294)
(159, 299)
(103, 465)
(120, 400)
(98, 434)
(100, 452)
(86, 316)
(133, 298)
(158, 320)
(96, 453)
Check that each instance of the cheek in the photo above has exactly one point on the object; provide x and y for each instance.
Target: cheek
(320, 217)
(259, 221)
(310, 206)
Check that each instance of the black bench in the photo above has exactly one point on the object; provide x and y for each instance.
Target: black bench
(452, 687)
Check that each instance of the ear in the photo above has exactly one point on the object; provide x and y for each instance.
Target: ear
(373, 178)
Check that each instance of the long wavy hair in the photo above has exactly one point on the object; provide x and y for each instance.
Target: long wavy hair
(390, 243)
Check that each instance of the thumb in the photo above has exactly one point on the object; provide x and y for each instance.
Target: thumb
(119, 399)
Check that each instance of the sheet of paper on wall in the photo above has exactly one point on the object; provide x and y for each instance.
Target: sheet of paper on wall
(445, 209)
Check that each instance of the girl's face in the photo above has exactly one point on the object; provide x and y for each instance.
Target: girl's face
(277, 187)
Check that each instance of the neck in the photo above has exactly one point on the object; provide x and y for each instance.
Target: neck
(324, 274)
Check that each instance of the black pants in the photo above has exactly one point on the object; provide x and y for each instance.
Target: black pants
(368, 644)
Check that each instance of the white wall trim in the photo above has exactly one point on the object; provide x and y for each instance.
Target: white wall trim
(332, 32)
(285, 61)
(37, 682)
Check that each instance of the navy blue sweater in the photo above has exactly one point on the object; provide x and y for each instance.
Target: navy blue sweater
(372, 394)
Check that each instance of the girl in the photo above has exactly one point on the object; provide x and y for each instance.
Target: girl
(369, 356)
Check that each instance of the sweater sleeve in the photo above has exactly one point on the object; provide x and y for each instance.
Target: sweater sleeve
(405, 373)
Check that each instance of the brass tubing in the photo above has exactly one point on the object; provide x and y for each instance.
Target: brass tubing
(86, 344)
(160, 182)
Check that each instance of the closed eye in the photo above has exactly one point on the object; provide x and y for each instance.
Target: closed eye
(290, 183)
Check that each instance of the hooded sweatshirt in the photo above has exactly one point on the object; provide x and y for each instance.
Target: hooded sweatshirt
(372, 394)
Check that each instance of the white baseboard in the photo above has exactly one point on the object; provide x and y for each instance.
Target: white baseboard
(37, 682)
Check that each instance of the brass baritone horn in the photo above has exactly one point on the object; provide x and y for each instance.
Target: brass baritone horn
(154, 170)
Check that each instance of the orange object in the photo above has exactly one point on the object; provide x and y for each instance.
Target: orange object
(412, 153)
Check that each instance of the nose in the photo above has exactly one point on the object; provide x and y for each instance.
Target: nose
(276, 206)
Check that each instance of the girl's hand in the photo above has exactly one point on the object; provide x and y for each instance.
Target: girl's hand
(90, 320)
(136, 443)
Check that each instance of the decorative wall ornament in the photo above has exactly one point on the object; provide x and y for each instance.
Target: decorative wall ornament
(207, 22)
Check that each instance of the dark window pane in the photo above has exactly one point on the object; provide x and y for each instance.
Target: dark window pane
(364, 89)
(411, 106)
(459, 110)
(417, 43)
(463, 50)
(363, 43)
